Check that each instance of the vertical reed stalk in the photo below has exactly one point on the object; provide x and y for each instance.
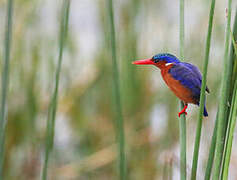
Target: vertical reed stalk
(211, 152)
(182, 120)
(233, 114)
(233, 49)
(234, 43)
(53, 103)
(119, 118)
(5, 82)
(231, 79)
(223, 102)
(233, 110)
(202, 96)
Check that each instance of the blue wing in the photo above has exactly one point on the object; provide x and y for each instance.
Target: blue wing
(188, 78)
(196, 72)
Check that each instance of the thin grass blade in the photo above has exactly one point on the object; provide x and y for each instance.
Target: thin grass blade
(234, 43)
(211, 152)
(223, 102)
(182, 134)
(182, 119)
(53, 103)
(230, 100)
(119, 118)
(233, 115)
(5, 82)
(233, 109)
(202, 96)
(233, 49)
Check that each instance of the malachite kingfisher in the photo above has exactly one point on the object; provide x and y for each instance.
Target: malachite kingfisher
(183, 79)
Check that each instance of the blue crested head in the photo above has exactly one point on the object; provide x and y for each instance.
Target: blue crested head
(168, 58)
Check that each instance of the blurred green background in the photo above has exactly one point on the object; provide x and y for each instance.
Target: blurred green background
(85, 143)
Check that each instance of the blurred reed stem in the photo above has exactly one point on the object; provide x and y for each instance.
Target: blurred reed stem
(5, 82)
(202, 96)
(119, 118)
(182, 119)
(54, 98)
(223, 101)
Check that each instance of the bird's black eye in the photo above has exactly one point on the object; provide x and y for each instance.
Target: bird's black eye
(155, 60)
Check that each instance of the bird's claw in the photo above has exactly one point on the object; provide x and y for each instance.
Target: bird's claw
(182, 112)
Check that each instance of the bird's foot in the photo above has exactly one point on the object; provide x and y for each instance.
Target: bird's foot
(183, 111)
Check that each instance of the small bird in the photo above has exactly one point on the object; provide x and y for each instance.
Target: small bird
(183, 79)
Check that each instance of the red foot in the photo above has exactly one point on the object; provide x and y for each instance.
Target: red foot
(183, 110)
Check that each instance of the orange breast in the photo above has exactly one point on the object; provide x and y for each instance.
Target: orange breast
(176, 87)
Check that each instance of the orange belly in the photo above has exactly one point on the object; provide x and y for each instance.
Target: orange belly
(177, 88)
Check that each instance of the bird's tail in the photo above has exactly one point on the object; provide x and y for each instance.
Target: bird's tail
(205, 111)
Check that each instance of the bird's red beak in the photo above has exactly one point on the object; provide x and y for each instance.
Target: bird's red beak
(143, 62)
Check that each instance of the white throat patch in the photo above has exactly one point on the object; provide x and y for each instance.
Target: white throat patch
(167, 64)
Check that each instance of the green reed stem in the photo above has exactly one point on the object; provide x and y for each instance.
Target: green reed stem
(119, 118)
(5, 82)
(181, 29)
(233, 115)
(182, 119)
(182, 134)
(223, 102)
(211, 152)
(234, 44)
(233, 109)
(233, 48)
(202, 96)
(232, 78)
(54, 99)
